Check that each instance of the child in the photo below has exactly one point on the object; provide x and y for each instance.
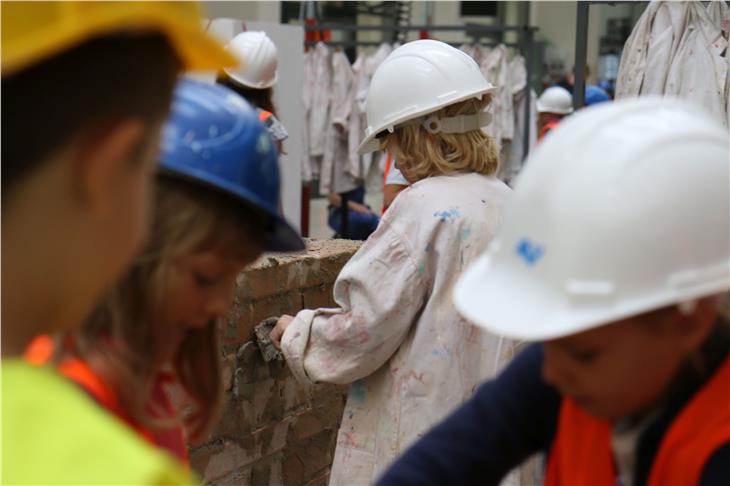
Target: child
(255, 77)
(396, 336)
(215, 213)
(361, 220)
(554, 104)
(616, 270)
(78, 144)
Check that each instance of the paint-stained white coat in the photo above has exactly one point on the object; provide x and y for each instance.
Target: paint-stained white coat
(396, 336)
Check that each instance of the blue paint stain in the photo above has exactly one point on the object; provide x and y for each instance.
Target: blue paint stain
(357, 392)
(452, 213)
(466, 233)
(422, 268)
(528, 251)
(441, 352)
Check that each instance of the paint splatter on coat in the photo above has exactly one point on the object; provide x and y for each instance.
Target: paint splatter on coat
(396, 336)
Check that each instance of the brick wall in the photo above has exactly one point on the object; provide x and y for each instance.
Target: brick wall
(272, 430)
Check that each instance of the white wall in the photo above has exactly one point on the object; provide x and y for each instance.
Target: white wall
(247, 11)
(289, 40)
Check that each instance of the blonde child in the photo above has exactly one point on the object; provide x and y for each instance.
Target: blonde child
(215, 212)
(86, 87)
(396, 337)
(616, 270)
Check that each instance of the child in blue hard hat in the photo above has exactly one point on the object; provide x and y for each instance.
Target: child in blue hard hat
(216, 211)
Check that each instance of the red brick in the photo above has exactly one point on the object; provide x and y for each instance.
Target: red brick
(239, 477)
(269, 276)
(272, 429)
(200, 457)
(306, 425)
(316, 297)
(321, 479)
(292, 469)
(289, 303)
(316, 454)
(295, 394)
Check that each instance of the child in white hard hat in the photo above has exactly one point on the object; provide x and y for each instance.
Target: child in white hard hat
(617, 271)
(255, 78)
(396, 337)
(554, 104)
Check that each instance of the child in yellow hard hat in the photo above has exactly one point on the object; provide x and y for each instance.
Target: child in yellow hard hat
(86, 89)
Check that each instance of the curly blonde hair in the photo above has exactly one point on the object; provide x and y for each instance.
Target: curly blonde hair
(421, 154)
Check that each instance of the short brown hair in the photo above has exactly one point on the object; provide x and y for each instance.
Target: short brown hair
(420, 154)
(99, 82)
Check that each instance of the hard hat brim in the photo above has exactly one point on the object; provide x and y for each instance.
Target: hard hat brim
(26, 43)
(509, 304)
(280, 236)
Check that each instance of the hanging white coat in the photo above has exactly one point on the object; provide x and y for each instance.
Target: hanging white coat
(396, 336)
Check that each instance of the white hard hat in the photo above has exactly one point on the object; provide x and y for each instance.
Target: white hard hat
(624, 209)
(555, 99)
(257, 54)
(419, 78)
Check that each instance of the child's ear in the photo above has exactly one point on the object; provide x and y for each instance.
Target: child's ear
(696, 322)
(103, 156)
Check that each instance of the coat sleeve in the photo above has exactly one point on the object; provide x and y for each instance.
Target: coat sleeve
(505, 421)
(379, 293)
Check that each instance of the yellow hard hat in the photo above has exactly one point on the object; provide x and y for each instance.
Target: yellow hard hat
(33, 31)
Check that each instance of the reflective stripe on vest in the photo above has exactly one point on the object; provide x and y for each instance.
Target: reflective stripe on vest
(581, 452)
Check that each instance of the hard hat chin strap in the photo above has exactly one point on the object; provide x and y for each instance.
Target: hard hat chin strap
(456, 124)
(452, 124)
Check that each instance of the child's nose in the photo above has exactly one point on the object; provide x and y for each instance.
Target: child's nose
(552, 371)
(220, 302)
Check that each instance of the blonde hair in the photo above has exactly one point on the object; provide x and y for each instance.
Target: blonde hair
(187, 218)
(421, 154)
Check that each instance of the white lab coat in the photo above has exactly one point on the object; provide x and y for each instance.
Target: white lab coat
(320, 99)
(649, 51)
(678, 49)
(357, 121)
(396, 336)
(307, 90)
(699, 70)
(495, 69)
(336, 176)
(720, 14)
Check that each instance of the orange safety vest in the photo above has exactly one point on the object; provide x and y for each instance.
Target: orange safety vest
(40, 351)
(581, 452)
(264, 115)
(547, 127)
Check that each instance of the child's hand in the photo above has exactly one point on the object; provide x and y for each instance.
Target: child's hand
(278, 331)
(359, 208)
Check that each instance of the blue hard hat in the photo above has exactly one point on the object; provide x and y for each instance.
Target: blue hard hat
(594, 95)
(214, 137)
